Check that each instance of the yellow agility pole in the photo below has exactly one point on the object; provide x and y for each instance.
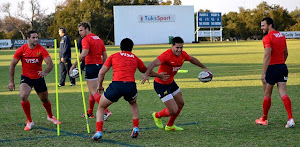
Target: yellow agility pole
(56, 84)
(82, 92)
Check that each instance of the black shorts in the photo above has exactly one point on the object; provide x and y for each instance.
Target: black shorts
(91, 71)
(38, 84)
(117, 89)
(166, 92)
(276, 73)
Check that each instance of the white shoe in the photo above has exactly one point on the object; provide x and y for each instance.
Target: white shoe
(290, 123)
(28, 125)
(53, 120)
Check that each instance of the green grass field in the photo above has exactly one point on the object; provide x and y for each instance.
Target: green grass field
(219, 113)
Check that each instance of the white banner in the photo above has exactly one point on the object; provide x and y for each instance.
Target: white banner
(5, 43)
(153, 24)
(209, 33)
(291, 34)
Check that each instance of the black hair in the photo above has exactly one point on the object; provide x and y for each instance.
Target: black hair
(30, 32)
(177, 40)
(126, 44)
(85, 25)
(63, 29)
(269, 21)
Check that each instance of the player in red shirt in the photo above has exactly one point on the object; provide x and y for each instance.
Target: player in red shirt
(124, 65)
(274, 71)
(32, 55)
(94, 54)
(170, 62)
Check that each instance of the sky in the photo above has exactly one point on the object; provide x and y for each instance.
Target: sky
(223, 6)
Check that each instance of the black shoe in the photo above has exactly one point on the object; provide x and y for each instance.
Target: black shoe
(72, 84)
(60, 85)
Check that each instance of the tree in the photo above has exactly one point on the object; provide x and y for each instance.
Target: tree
(296, 17)
(177, 2)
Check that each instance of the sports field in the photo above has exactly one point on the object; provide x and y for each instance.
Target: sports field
(219, 113)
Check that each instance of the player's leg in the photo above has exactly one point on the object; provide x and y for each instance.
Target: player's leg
(25, 90)
(41, 90)
(135, 118)
(63, 73)
(103, 104)
(180, 103)
(68, 66)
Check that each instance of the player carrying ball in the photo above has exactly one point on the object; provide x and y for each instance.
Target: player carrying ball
(170, 62)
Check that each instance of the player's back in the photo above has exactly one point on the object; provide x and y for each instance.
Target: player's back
(278, 45)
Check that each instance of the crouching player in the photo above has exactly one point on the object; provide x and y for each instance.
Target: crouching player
(124, 65)
(32, 55)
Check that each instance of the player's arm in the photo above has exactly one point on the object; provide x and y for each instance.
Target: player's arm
(101, 75)
(196, 62)
(49, 67)
(285, 53)
(11, 85)
(267, 57)
(81, 57)
(150, 67)
(104, 56)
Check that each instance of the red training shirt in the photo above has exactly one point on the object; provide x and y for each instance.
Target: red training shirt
(96, 47)
(124, 65)
(277, 42)
(170, 63)
(31, 60)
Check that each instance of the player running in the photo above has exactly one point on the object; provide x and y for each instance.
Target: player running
(124, 65)
(32, 55)
(274, 71)
(170, 94)
(94, 54)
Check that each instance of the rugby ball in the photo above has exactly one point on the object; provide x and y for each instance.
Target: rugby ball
(75, 73)
(205, 76)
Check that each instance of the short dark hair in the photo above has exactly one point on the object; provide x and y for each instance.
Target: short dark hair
(85, 25)
(30, 32)
(62, 29)
(177, 40)
(269, 21)
(126, 44)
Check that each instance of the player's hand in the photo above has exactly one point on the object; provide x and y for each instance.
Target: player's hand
(144, 78)
(163, 76)
(11, 86)
(100, 89)
(71, 69)
(206, 70)
(42, 73)
(62, 59)
(263, 78)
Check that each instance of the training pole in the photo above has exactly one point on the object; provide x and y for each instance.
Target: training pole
(82, 92)
(56, 85)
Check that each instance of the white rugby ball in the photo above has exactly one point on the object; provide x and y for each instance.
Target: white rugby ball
(205, 76)
(75, 73)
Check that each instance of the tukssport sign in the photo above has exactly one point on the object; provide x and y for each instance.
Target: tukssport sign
(156, 18)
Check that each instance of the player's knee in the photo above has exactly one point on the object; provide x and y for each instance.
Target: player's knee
(24, 98)
(180, 106)
(173, 111)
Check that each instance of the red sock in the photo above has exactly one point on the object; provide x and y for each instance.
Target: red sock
(97, 97)
(26, 108)
(99, 125)
(135, 122)
(48, 108)
(173, 117)
(266, 107)
(162, 113)
(288, 106)
(91, 104)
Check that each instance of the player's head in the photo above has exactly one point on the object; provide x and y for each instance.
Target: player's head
(62, 31)
(266, 25)
(177, 45)
(32, 38)
(84, 28)
(126, 44)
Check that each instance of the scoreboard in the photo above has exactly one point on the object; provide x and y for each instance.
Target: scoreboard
(209, 19)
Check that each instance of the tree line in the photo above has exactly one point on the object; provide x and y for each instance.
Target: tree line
(244, 24)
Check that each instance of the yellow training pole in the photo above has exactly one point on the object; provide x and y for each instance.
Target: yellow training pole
(56, 84)
(82, 92)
